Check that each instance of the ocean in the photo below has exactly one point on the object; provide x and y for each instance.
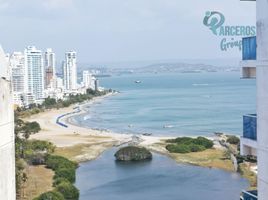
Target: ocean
(174, 104)
(166, 105)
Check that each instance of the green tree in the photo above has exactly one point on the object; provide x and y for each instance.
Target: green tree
(69, 191)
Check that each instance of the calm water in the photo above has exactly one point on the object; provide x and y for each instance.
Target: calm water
(188, 104)
(160, 179)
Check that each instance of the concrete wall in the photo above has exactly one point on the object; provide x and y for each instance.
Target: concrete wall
(7, 150)
(262, 97)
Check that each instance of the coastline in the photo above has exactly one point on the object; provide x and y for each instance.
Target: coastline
(89, 143)
(82, 144)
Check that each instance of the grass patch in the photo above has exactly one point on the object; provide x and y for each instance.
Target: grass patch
(245, 171)
(39, 180)
(187, 144)
(213, 158)
(84, 152)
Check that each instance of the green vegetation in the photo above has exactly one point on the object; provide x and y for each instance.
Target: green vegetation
(233, 139)
(53, 195)
(51, 103)
(187, 144)
(36, 152)
(133, 153)
(64, 176)
(64, 168)
(69, 191)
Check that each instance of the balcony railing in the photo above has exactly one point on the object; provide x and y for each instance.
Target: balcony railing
(250, 126)
(249, 49)
(250, 195)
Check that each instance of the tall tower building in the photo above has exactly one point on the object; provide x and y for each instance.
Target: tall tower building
(87, 79)
(19, 81)
(7, 144)
(50, 68)
(70, 71)
(34, 72)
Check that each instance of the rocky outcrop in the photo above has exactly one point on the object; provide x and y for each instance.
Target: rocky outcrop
(133, 153)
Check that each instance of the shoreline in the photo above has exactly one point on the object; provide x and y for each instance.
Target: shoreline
(82, 144)
(90, 143)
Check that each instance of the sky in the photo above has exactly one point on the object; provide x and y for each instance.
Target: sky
(120, 30)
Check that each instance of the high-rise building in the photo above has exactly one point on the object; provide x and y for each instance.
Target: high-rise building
(34, 72)
(7, 144)
(50, 69)
(49, 79)
(18, 72)
(255, 134)
(88, 81)
(70, 71)
(19, 82)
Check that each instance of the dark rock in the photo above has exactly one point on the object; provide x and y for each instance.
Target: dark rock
(133, 153)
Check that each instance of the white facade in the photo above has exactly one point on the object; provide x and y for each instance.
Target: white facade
(7, 145)
(19, 81)
(262, 98)
(70, 71)
(88, 80)
(259, 147)
(34, 72)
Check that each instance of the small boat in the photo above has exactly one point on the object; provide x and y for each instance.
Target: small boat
(137, 81)
(147, 134)
(168, 126)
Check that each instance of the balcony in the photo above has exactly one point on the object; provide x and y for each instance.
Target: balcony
(249, 56)
(249, 49)
(250, 195)
(250, 126)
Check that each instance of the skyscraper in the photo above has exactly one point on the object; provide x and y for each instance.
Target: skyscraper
(88, 81)
(19, 81)
(70, 71)
(34, 72)
(50, 68)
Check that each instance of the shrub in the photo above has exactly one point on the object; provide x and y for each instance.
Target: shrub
(56, 162)
(180, 140)
(38, 145)
(187, 144)
(233, 139)
(57, 181)
(52, 195)
(196, 148)
(66, 173)
(69, 191)
(178, 148)
(203, 142)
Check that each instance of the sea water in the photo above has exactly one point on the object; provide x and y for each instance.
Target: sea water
(174, 104)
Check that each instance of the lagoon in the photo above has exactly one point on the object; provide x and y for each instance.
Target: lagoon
(159, 179)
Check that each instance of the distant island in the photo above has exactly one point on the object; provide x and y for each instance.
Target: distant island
(133, 153)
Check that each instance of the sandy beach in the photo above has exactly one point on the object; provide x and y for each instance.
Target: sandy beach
(83, 144)
(91, 142)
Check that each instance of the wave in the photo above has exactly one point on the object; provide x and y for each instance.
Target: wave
(200, 84)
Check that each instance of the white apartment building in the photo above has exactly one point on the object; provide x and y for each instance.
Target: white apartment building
(70, 71)
(88, 80)
(7, 144)
(255, 136)
(34, 72)
(19, 81)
